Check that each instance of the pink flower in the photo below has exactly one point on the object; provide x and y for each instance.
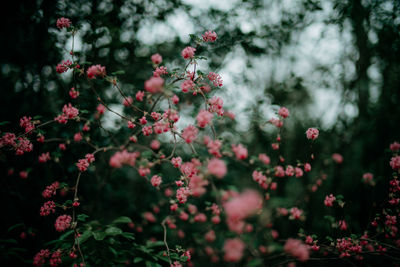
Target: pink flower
(297, 249)
(289, 170)
(47, 208)
(215, 79)
(155, 144)
(307, 167)
(176, 162)
(201, 217)
(8, 139)
(148, 216)
(337, 158)
(73, 94)
(147, 130)
(217, 167)
(55, 259)
(197, 185)
(312, 133)
(63, 23)
(96, 71)
(63, 66)
(82, 165)
(279, 171)
(182, 194)
(101, 109)
(283, 112)
(209, 36)
(264, 159)
(160, 71)
(240, 207)
(295, 213)
(187, 85)
(175, 99)
(368, 178)
(156, 180)
(395, 162)
(210, 236)
(395, 147)
(23, 174)
(44, 157)
(77, 137)
(123, 158)
(233, 249)
(203, 118)
(139, 96)
(259, 178)
(343, 225)
(298, 172)
(240, 151)
(188, 52)
(156, 59)
(70, 112)
(25, 122)
(214, 147)
(216, 105)
(143, 120)
(189, 134)
(154, 85)
(329, 200)
(127, 101)
(63, 222)
(40, 257)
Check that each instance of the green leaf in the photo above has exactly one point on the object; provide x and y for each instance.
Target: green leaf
(4, 123)
(82, 217)
(11, 241)
(15, 226)
(118, 72)
(99, 235)
(113, 231)
(85, 236)
(37, 117)
(137, 259)
(122, 219)
(154, 244)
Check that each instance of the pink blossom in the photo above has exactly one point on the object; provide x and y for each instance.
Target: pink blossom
(337, 158)
(77, 137)
(155, 145)
(368, 177)
(50, 190)
(297, 249)
(123, 158)
(47, 208)
(183, 215)
(96, 71)
(139, 96)
(298, 172)
(63, 66)
(101, 109)
(8, 139)
(23, 145)
(182, 194)
(264, 158)
(156, 59)
(329, 200)
(55, 259)
(189, 134)
(215, 78)
(295, 213)
(156, 180)
(25, 122)
(70, 112)
(240, 207)
(214, 147)
(40, 257)
(147, 130)
(63, 23)
(23, 174)
(395, 162)
(197, 185)
(312, 133)
(283, 112)
(307, 167)
(63, 222)
(217, 167)
(73, 94)
(277, 122)
(148, 216)
(188, 52)
(209, 36)
(127, 101)
(176, 162)
(395, 147)
(343, 225)
(233, 249)
(289, 170)
(175, 99)
(160, 71)
(210, 236)
(203, 118)
(154, 85)
(240, 151)
(279, 171)
(187, 85)
(216, 105)
(259, 178)
(131, 125)
(44, 157)
(82, 165)
(201, 217)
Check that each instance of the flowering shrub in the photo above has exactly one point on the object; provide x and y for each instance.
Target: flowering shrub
(198, 205)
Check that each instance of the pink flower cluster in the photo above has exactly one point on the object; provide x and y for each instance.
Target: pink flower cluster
(63, 23)
(217, 167)
(156, 180)
(156, 59)
(329, 200)
(96, 71)
(40, 257)
(63, 66)
(69, 112)
(50, 190)
(312, 133)
(215, 79)
(47, 208)
(233, 249)
(154, 85)
(209, 36)
(241, 206)
(83, 164)
(188, 52)
(26, 123)
(240, 151)
(123, 158)
(297, 249)
(203, 118)
(63, 222)
(189, 134)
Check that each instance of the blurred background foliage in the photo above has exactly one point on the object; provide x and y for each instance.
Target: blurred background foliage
(335, 64)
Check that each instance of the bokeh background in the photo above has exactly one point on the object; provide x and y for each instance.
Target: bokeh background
(334, 63)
